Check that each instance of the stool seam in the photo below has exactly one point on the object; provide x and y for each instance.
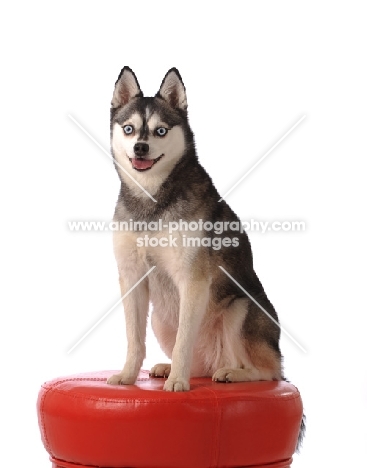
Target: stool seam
(162, 400)
(216, 432)
(126, 400)
(92, 379)
(100, 379)
(42, 412)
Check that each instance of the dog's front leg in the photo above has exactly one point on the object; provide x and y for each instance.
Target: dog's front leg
(194, 297)
(136, 305)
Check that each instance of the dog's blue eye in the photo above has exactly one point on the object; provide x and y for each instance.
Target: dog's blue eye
(128, 129)
(161, 131)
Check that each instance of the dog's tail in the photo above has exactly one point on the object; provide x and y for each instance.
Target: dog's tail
(302, 427)
(301, 434)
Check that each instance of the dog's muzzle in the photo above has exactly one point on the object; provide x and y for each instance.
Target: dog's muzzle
(139, 163)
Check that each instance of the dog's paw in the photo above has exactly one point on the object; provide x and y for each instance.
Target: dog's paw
(121, 379)
(226, 375)
(176, 385)
(160, 370)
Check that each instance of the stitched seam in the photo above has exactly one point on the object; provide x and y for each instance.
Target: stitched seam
(93, 379)
(293, 396)
(72, 394)
(128, 400)
(42, 404)
(63, 462)
(271, 464)
(216, 432)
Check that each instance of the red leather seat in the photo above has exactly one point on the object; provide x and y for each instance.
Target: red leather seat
(86, 423)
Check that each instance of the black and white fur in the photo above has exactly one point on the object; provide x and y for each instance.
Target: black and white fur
(203, 322)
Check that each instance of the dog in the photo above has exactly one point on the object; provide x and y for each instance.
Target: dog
(208, 305)
(204, 322)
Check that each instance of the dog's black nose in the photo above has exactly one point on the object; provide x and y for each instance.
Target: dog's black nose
(141, 149)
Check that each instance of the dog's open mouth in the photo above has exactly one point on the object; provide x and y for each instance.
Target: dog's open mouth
(144, 164)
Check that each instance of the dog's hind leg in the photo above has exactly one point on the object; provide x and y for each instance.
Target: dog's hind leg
(160, 370)
(265, 366)
(260, 337)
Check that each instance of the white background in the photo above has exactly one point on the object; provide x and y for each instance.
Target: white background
(251, 69)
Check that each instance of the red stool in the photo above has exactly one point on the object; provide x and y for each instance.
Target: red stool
(86, 423)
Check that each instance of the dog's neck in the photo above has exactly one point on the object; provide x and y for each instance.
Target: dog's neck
(174, 198)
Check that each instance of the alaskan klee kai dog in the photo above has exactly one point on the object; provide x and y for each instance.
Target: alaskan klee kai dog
(203, 321)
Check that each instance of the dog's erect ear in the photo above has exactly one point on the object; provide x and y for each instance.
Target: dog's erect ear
(126, 88)
(172, 90)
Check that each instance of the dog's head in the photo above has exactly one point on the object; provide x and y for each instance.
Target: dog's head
(149, 135)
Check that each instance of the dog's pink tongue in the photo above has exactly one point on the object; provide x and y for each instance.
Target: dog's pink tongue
(142, 163)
